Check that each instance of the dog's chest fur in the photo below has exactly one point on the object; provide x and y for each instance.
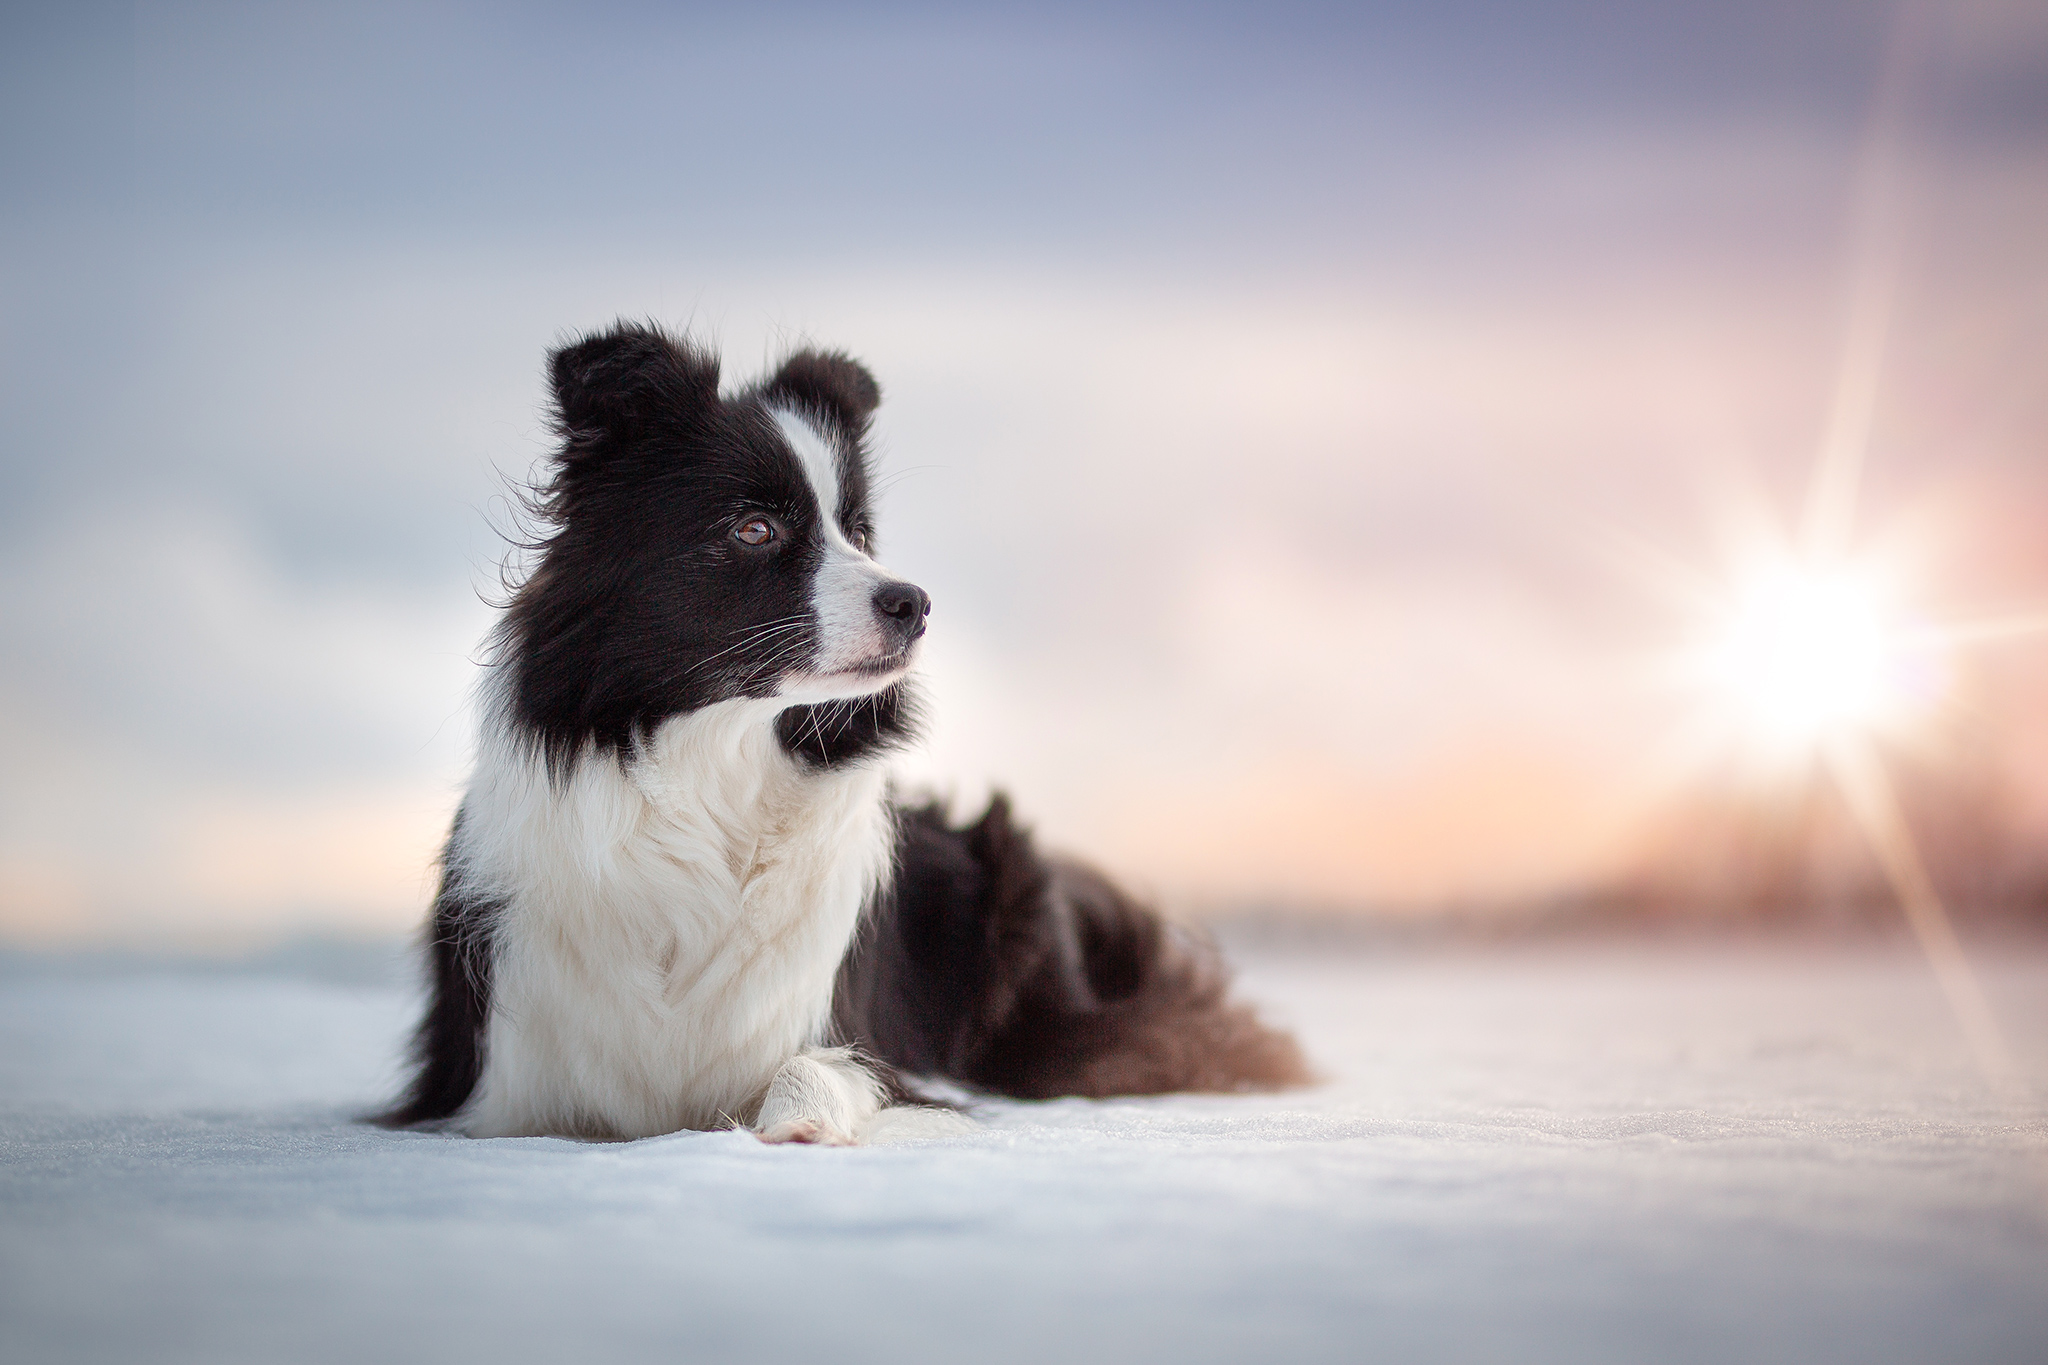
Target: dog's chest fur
(671, 928)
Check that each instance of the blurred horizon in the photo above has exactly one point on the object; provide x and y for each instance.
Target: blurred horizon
(1296, 413)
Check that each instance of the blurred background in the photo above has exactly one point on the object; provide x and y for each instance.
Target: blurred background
(1363, 457)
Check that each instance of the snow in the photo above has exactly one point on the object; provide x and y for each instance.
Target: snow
(1677, 1153)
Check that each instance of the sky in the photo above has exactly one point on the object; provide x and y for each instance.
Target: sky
(1292, 410)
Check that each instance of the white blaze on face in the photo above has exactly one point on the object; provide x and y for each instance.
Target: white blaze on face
(843, 592)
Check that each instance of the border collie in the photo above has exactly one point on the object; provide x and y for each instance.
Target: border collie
(678, 892)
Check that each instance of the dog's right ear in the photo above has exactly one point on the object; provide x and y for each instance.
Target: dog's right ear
(611, 385)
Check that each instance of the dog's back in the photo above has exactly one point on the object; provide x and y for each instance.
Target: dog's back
(990, 964)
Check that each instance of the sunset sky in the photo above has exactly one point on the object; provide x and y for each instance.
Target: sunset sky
(1293, 411)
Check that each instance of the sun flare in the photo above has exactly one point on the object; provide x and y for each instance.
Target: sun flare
(1804, 654)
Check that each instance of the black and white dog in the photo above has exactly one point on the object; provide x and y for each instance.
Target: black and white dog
(678, 893)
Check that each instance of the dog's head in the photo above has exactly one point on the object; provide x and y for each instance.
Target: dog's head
(704, 549)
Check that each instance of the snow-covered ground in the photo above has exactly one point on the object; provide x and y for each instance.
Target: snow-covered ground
(1588, 1154)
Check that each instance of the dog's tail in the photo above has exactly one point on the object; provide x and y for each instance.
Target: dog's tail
(990, 964)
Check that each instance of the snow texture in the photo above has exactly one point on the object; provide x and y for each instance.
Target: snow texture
(1670, 1155)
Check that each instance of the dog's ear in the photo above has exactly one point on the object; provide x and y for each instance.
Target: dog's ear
(832, 383)
(612, 384)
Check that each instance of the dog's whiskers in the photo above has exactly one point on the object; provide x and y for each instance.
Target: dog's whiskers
(754, 636)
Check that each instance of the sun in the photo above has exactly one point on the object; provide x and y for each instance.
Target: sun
(1803, 654)
(1788, 654)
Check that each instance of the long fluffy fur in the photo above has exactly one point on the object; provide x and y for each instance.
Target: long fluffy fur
(995, 966)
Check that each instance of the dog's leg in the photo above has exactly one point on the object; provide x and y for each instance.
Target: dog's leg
(823, 1095)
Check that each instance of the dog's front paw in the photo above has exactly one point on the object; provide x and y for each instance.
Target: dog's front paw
(805, 1130)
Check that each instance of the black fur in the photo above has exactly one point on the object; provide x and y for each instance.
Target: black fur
(448, 1048)
(842, 732)
(834, 385)
(987, 963)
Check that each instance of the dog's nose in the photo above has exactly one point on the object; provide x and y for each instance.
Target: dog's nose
(903, 607)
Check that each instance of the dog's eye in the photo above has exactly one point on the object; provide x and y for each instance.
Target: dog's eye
(859, 536)
(754, 531)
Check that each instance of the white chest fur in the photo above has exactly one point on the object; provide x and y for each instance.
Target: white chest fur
(672, 928)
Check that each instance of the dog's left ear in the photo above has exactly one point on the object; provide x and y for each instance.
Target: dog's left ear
(829, 382)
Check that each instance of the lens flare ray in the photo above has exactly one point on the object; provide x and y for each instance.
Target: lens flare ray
(1876, 263)
(1866, 787)
(1951, 634)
